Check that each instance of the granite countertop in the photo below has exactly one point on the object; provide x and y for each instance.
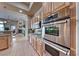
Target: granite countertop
(4, 34)
(37, 35)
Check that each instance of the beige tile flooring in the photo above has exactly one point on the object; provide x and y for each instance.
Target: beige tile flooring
(20, 47)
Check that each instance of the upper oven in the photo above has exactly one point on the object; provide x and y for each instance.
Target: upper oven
(57, 35)
(58, 31)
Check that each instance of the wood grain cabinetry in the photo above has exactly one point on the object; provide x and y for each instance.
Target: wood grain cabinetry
(73, 28)
(64, 9)
(5, 41)
(44, 9)
(9, 40)
(39, 47)
(37, 44)
(32, 40)
(52, 7)
(58, 5)
(47, 9)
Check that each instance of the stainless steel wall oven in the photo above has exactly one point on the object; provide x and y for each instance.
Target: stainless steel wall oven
(57, 33)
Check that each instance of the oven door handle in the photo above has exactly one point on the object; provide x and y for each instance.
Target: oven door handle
(57, 22)
(60, 22)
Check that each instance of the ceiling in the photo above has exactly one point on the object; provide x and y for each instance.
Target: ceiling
(6, 14)
(23, 5)
(10, 10)
(29, 8)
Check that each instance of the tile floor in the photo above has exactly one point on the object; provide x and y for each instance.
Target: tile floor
(20, 47)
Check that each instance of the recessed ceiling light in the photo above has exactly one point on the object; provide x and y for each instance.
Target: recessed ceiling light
(20, 11)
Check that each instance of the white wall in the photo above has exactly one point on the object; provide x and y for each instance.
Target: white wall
(77, 28)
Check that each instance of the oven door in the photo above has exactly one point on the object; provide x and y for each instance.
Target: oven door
(59, 32)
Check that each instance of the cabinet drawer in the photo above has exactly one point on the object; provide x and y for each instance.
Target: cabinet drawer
(39, 47)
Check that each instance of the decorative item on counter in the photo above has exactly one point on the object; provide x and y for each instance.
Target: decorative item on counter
(31, 30)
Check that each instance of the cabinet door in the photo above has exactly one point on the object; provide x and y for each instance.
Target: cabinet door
(32, 41)
(73, 28)
(45, 9)
(39, 47)
(52, 7)
(41, 14)
(3, 42)
(35, 43)
(49, 7)
(9, 41)
(58, 4)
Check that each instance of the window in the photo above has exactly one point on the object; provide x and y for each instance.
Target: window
(1, 26)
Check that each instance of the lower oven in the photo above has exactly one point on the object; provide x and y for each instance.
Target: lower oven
(57, 33)
(56, 50)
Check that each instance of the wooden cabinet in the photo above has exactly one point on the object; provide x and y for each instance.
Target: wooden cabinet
(58, 5)
(52, 7)
(39, 47)
(47, 9)
(9, 41)
(64, 12)
(3, 43)
(35, 43)
(44, 8)
(41, 14)
(73, 36)
(73, 28)
(64, 9)
(32, 41)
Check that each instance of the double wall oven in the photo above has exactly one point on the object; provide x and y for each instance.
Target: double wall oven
(56, 34)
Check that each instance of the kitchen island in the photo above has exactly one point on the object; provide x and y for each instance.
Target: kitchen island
(5, 40)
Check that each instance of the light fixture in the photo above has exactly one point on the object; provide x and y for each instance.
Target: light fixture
(20, 11)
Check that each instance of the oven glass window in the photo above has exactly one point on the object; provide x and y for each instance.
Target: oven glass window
(52, 30)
